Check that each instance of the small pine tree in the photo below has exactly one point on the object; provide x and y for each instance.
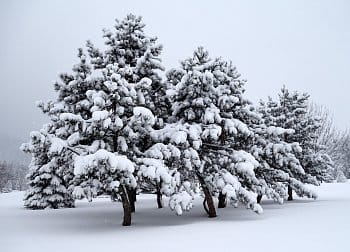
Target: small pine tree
(279, 167)
(295, 109)
(56, 168)
(48, 186)
(290, 113)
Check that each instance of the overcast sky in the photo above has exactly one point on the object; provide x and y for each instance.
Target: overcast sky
(302, 44)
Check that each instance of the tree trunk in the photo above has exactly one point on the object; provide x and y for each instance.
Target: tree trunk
(222, 200)
(126, 206)
(132, 199)
(159, 197)
(208, 202)
(290, 193)
(258, 199)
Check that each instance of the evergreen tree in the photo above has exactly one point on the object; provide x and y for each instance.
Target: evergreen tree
(48, 181)
(135, 58)
(295, 109)
(46, 165)
(291, 113)
(279, 166)
(127, 92)
(207, 94)
(103, 119)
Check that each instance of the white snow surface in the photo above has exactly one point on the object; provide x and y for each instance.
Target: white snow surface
(302, 225)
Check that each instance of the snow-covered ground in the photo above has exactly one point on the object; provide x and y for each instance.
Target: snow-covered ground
(301, 225)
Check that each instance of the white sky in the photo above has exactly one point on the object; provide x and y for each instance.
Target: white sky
(302, 44)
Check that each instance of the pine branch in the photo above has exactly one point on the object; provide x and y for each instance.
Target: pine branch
(74, 151)
(219, 147)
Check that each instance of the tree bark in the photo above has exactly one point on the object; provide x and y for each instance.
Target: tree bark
(290, 193)
(208, 202)
(222, 200)
(159, 198)
(258, 198)
(126, 206)
(132, 198)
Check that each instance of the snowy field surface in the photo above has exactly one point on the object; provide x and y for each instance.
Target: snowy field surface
(301, 225)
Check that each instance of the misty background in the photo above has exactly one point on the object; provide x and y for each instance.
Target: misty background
(304, 45)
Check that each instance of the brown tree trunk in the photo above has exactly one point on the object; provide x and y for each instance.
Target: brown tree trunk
(132, 198)
(159, 198)
(258, 199)
(208, 202)
(126, 206)
(290, 193)
(222, 200)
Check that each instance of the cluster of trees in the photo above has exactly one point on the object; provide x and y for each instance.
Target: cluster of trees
(336, 142)
(12, 177)
(118, 127)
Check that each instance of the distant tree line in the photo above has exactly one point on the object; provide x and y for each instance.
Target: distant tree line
(336, 142)
(12, 177)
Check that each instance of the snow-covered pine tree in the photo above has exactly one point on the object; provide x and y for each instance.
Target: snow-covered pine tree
(122, 148)
(48, 164)
(279, 166)
(294, 108)
(206, 94)
(114, 144)
(290, 113)
(48, 174)
(136, 58)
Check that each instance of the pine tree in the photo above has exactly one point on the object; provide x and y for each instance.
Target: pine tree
(63, 114)
(279, 167)
(294, 132)
(295, 109)
(135, 58)
(207, 94)
(48, 182)
(103, 119)
(127, 92)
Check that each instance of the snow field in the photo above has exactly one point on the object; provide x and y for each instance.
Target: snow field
(301, 225)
